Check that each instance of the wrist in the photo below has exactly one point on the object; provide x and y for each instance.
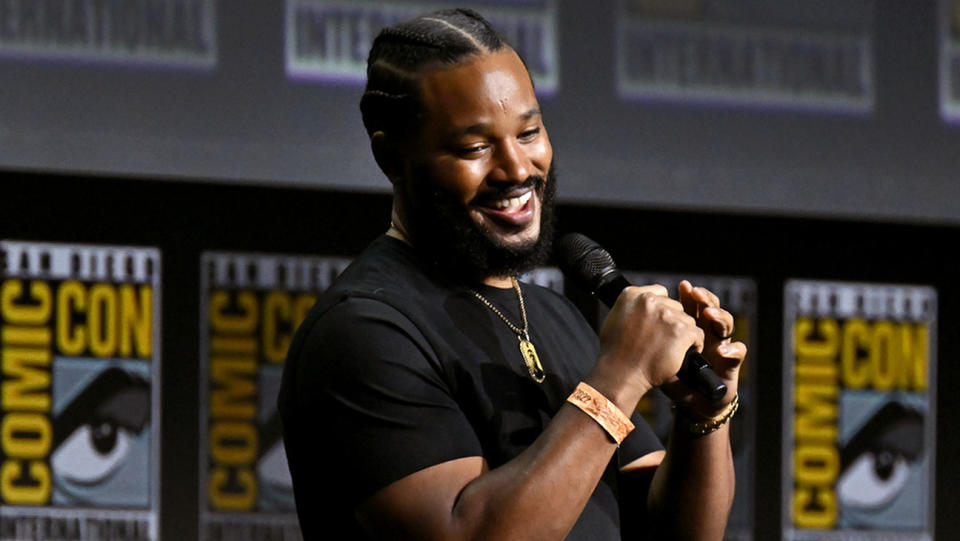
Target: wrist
(618, 390)
(698, 425)
(607, 414)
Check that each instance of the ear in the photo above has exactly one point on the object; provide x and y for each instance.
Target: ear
(388, 156)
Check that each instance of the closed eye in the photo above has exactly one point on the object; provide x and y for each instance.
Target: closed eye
(469, 151)
(530, 134)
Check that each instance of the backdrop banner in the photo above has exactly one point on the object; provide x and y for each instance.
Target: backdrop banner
(80, 408)
(859, 411)
(251, 305)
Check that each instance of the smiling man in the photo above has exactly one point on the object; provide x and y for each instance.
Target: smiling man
(431, 396)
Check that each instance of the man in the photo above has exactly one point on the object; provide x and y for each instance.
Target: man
(426, 395)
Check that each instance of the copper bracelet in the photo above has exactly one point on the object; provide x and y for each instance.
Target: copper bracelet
(604, 412)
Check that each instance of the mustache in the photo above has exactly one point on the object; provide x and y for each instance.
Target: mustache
(536, 182)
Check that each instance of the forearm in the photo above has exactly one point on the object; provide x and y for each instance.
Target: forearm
(539, 494)
(692, 491)
(542, 492)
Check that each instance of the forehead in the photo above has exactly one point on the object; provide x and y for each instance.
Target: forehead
(482, 90)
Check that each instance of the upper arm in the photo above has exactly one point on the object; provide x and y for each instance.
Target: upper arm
(636, 479)
(421, 505)
(369, 406)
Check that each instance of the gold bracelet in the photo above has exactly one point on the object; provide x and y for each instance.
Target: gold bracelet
(702, 428)
(604, 412)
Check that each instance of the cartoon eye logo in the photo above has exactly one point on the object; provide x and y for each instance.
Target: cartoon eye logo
(92, 434)
(876, 461)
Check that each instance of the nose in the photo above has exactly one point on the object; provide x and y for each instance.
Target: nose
(512, 163)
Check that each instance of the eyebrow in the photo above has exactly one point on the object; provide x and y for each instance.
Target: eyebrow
(480, 128)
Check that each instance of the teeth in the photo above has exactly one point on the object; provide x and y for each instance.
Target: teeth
(512, 202)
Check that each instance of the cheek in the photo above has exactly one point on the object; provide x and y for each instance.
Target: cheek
(542, 154)
(459, 177)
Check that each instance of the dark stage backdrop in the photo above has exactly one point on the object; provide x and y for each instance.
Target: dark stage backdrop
(798, 107)
(180, 178)
(200, 230)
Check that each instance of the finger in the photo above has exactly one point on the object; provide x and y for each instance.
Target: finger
(726, 357)
(706, 296)
(696, 299)
(654, 301)
(698, 339)
(719, 321)
(654, 289)
(685, 294)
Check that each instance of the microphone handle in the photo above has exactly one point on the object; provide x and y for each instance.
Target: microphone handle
(695, 371)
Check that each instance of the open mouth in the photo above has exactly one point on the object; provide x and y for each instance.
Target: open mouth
(512, 203)
(514, 211)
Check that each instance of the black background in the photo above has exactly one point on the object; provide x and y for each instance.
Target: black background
(183, 219)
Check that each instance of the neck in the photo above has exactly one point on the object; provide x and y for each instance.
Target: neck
(502, 282)
(399, 231)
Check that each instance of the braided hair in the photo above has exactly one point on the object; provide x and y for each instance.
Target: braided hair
(391, 102)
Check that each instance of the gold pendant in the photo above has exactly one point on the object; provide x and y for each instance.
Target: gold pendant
(532, 360)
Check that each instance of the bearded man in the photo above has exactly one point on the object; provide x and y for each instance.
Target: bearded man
(429, 395)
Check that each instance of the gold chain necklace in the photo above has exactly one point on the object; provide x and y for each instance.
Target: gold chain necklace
(529, 352)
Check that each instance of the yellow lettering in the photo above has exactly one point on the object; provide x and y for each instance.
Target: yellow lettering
(816, 412)
(36, 313)
(26, 336)
(102, 320)
(136, 321)
(276, 309)
(825, 349)
(26, 435)
(815, 459)
(71, 296)
(37, 489)
(913, 350)
(817, 372)
(883, 359)
(856, 338)
(26, 384)
(234, 494)
(813, 508)
(303, 304)
(816, 464)
(233, 444)
(233, 438)
(233, 344)
(884, 355)
(222, 320)
(235, 393)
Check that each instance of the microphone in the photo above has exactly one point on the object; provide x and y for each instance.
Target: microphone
(592, 268)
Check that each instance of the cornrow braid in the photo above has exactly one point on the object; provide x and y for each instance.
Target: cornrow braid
(391, 102)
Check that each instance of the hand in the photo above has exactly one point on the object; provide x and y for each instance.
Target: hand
(725, 356)
(643, 341)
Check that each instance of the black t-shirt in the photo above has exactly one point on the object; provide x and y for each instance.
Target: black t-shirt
(397, 369)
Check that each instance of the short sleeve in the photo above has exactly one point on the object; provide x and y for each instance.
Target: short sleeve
(371, 403)
(641, 441)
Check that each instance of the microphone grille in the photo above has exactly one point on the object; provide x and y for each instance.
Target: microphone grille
(583, 259)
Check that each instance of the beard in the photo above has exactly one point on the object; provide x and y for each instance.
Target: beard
(447, 237)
